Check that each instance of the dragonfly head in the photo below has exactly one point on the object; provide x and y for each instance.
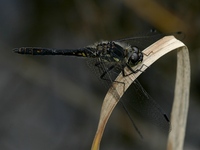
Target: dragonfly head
(135, 56)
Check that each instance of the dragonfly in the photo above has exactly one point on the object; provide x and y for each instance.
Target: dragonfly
(108, 59)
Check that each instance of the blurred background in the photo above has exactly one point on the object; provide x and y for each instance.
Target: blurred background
(54, 102)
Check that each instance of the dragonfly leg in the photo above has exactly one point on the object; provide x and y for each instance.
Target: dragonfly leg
(134, 71)
(106, 72)
(148, 53)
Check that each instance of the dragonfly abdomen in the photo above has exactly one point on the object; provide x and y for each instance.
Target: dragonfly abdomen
(46, 51)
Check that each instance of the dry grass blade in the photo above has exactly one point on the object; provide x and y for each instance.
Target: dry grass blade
(154, 52)
(181, 101)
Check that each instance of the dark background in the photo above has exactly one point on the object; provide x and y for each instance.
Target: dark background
(54, 102)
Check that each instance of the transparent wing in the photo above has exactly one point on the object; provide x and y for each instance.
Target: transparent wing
(142, 41)
(142, 104)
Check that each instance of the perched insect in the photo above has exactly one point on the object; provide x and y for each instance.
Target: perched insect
(110, 58)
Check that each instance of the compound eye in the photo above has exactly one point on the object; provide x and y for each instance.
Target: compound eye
(134, 58)
(135, 49)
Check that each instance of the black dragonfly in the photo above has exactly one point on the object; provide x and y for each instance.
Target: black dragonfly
(109, 58)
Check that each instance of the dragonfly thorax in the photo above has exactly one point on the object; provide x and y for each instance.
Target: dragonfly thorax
(110, 51)
(114, 51)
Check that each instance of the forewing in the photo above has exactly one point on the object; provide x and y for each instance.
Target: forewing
(142, 41)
